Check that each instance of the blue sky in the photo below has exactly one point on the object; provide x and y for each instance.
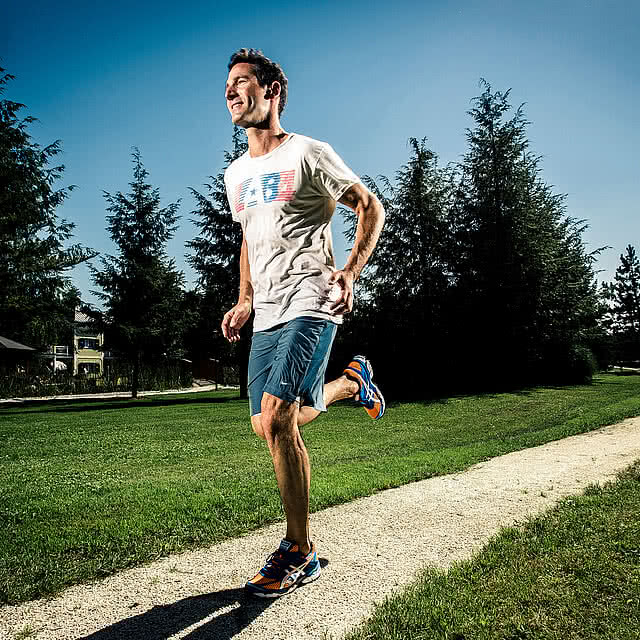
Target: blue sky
(364, 76)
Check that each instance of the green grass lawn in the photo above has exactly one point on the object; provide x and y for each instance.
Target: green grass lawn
(89, 488)
(572, 573)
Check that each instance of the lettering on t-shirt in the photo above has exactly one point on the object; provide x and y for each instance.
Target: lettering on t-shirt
(263, 189)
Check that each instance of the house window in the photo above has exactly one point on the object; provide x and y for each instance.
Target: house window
(88, 343)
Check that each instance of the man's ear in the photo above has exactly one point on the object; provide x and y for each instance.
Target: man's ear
(273, 90)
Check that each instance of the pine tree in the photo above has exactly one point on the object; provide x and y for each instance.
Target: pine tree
(141, 288)
(525, 286)
(406, 283)
(624, 297)
(627, 290)
(216, 259)
(37, 299)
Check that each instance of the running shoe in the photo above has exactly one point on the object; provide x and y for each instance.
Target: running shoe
(284, 570)
(369, 396)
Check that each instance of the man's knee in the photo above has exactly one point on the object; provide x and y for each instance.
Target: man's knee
(277, 415)
(256, 425)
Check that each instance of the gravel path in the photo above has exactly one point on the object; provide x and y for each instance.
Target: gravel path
(369, 548)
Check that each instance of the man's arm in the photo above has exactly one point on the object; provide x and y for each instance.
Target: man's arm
(370, 221)
(235, 318)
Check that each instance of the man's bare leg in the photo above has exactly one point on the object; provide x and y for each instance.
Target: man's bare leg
(291, 465)
(278, 424)
(341, 388)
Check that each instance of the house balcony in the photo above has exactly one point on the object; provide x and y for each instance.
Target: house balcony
(59, 351)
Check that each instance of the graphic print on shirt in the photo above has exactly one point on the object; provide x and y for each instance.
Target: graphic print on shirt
(269, 187)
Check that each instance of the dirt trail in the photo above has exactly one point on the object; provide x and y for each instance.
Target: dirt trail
(369, 548)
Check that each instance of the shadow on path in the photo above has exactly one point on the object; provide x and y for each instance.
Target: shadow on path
(163, 621)
(218, 616)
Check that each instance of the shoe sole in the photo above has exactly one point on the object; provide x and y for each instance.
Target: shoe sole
(363, 375)
(266, 594)
(377, 411)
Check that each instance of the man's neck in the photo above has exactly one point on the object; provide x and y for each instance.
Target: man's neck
(263, 141)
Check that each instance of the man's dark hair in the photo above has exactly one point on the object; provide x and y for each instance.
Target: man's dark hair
(267, 71)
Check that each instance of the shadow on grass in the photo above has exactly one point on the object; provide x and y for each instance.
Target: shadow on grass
(444, 397)
(220, 615)
(392, 401)
(106, 404)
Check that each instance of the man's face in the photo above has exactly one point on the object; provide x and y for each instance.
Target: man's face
(245, 97)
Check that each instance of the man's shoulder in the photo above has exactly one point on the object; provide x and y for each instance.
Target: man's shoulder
(310, 149)
(310, 143)
(235, 165)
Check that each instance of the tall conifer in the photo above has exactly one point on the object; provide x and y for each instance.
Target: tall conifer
(37, 299)
(141, 288)
(215, 257)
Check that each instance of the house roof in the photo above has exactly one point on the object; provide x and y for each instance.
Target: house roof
(81, 317)
(12, 345)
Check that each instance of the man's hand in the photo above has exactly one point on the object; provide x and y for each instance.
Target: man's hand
(370, 220)
(234, 320)
(342, 283)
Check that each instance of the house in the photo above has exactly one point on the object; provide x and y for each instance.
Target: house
(88, 341)
(85, 355)
(14, 356)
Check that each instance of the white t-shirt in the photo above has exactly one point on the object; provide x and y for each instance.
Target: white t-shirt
(284, 201)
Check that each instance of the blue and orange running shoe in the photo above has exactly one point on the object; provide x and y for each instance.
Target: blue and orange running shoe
(285, 570)
(369, 396)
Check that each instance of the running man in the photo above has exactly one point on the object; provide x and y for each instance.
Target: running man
(283, 191)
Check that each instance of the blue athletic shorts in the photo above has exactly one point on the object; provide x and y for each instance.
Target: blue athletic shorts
(289, 361)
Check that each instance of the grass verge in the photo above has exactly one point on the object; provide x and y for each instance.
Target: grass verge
(572, 573)
(90, 488)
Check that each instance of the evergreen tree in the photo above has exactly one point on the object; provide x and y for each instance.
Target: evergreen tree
(216, 259)
(37, 299)
(526, 294)
(623, 295)
(142, 291)
(479, 273)
(626, 288)
(405, 286)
